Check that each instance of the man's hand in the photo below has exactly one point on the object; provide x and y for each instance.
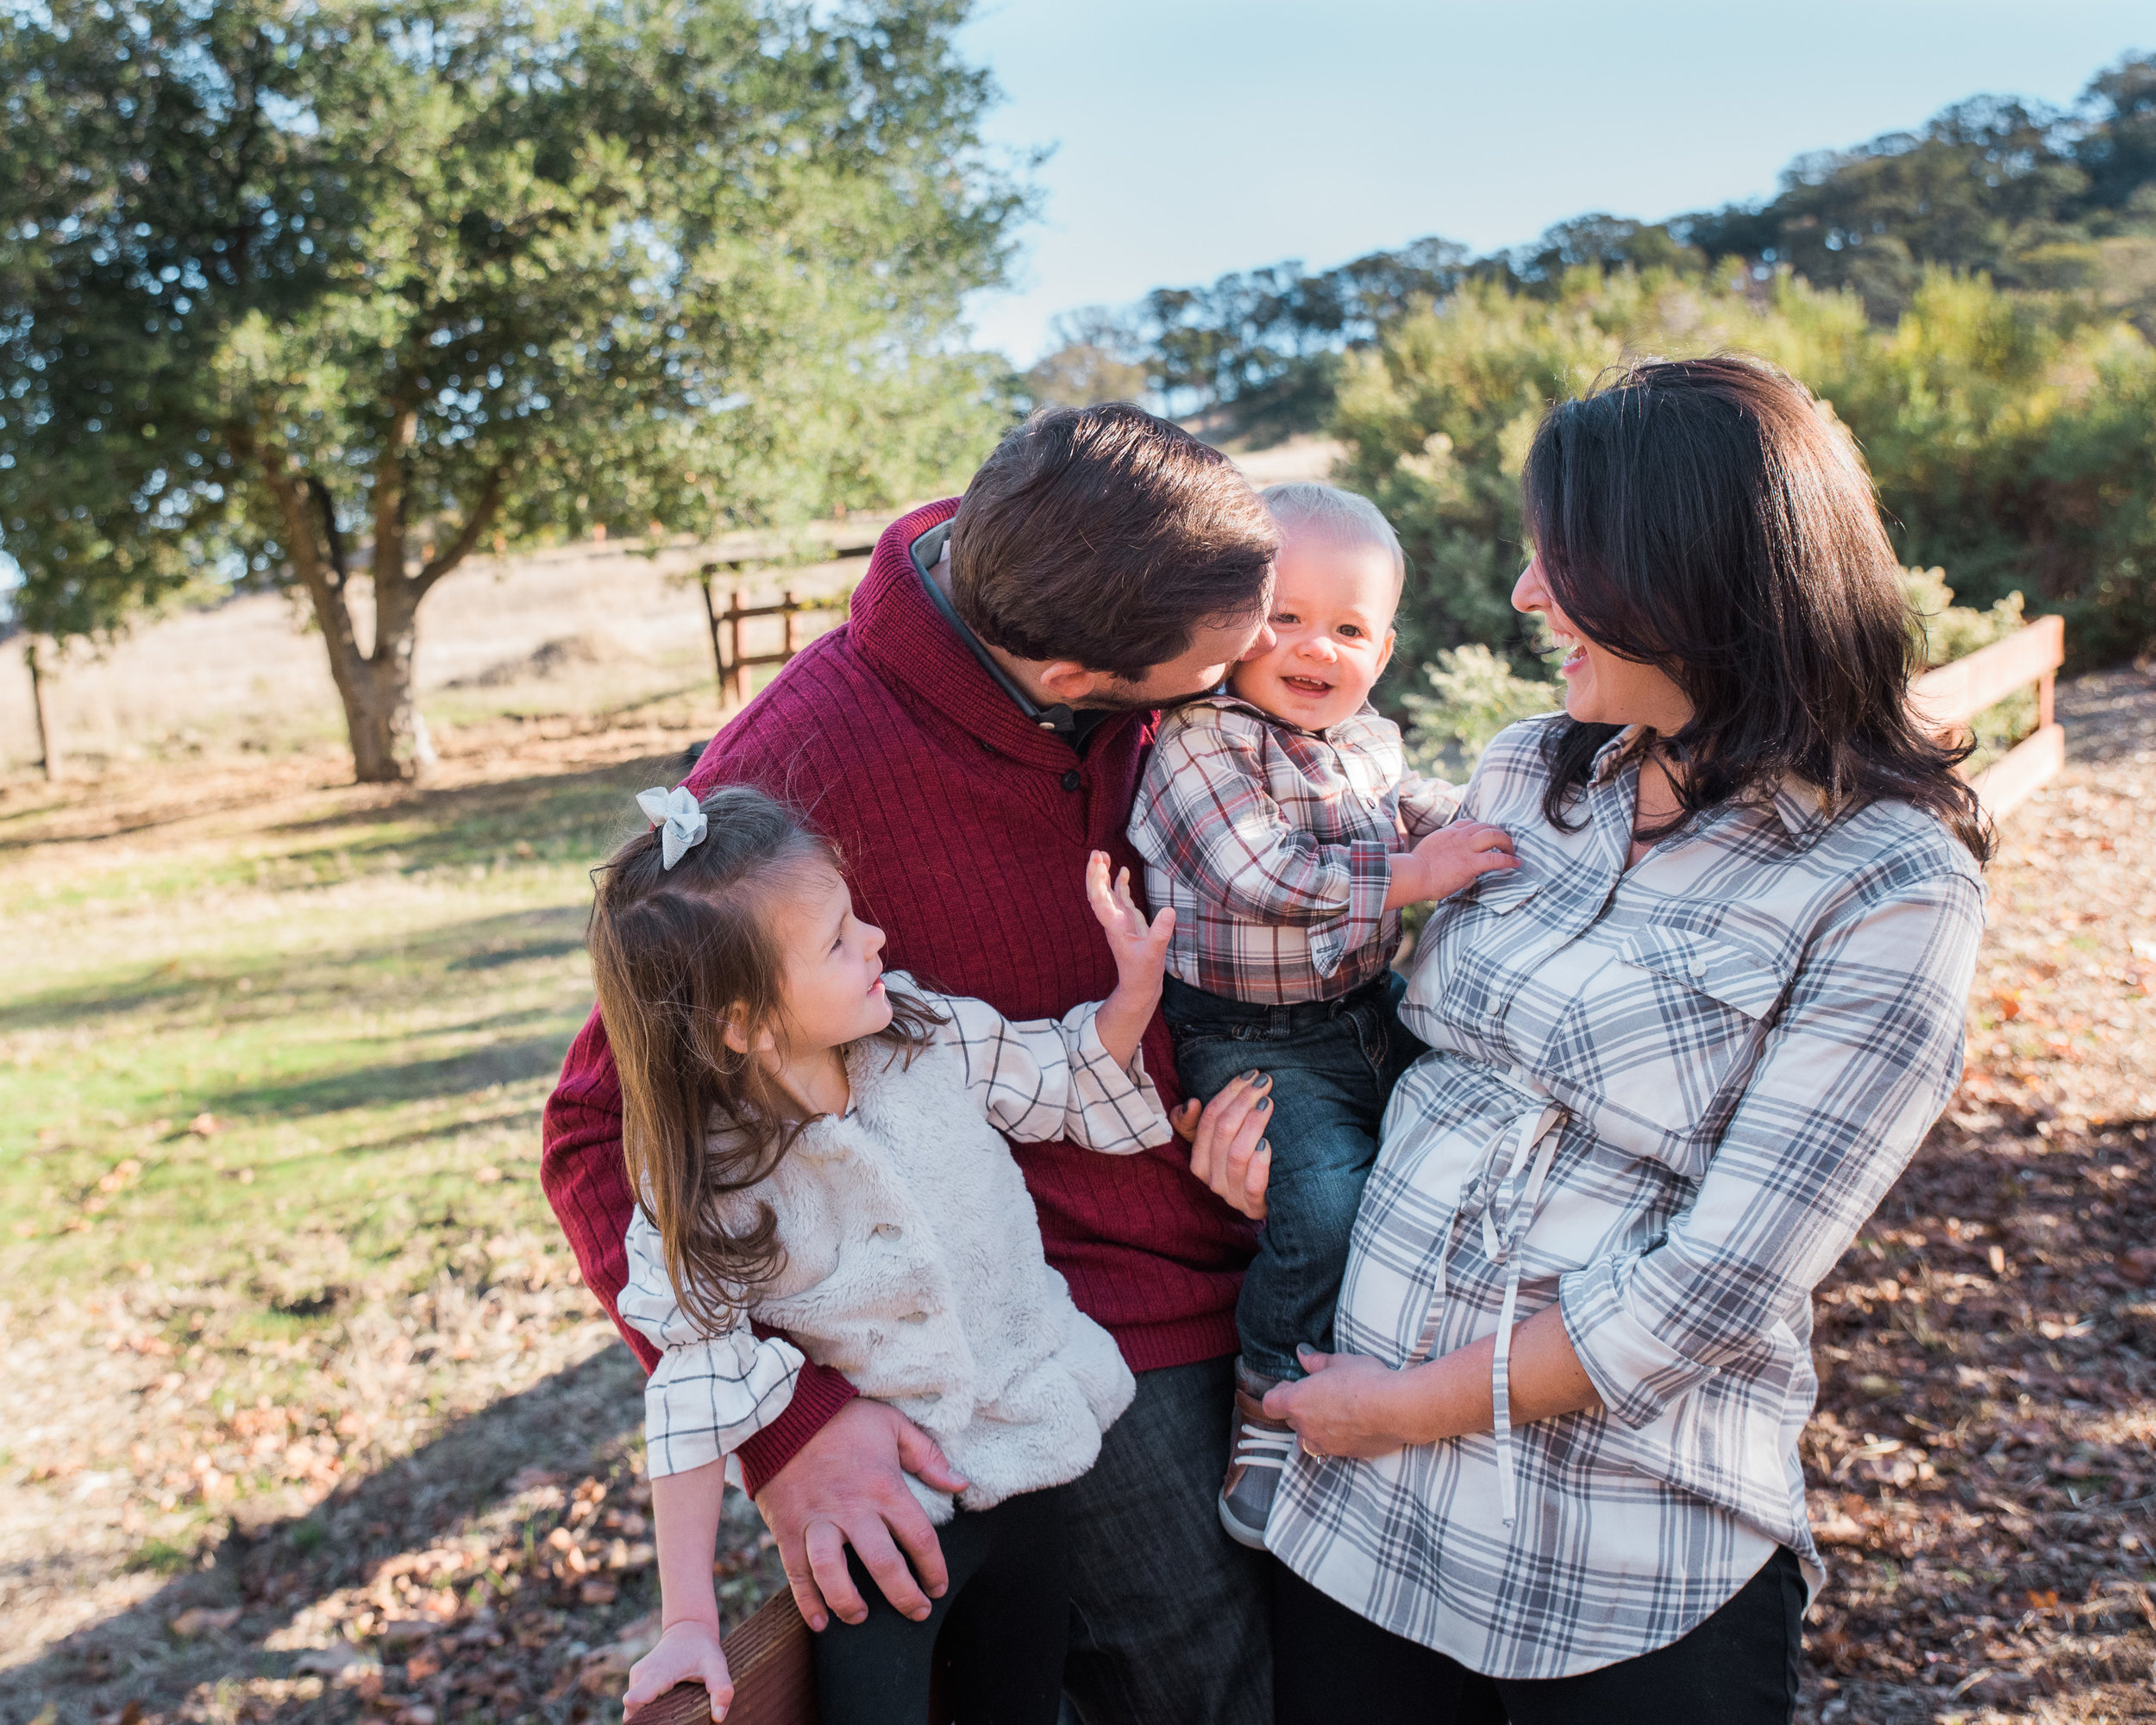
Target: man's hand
(846, 1486)
(1228, 1148)
(688, 1652)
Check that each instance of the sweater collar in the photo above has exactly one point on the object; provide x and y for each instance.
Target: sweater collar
(914, 646)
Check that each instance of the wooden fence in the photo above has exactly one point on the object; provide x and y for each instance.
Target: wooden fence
(1952, 694)
(730, 663)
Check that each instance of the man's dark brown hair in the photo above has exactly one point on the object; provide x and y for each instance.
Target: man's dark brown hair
(1106, 535)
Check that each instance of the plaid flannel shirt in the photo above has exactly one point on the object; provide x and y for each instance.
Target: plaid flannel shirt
(1035, 1082)
(1273, 846)
(1728, 1053)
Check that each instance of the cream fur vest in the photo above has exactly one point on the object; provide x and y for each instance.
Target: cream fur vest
(913, 1265)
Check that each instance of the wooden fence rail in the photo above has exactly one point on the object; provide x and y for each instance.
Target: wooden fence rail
(731, 665)
(1952, 694)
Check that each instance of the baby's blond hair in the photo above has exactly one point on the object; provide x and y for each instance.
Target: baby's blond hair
(1340, 517)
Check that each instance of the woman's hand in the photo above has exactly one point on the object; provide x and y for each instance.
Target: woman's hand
(688, 1652)
(1351, 1405)
(1228, 1149)
(1141, 959)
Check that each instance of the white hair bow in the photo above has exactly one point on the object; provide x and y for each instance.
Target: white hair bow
(678, 819)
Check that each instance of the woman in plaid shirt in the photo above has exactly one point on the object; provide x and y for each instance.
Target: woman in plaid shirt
(1676, 1059)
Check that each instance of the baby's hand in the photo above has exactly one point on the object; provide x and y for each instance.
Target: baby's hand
(1455, 856)
(1141, 951)
(688, 1652)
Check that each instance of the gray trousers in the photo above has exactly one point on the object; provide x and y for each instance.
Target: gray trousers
(1171, 1620)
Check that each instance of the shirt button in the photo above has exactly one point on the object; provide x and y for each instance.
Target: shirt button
(887, 1231)
(929, 1397)
(1070, 779)
(916, 1317)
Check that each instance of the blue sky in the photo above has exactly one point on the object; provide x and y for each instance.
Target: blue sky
(1198, 136)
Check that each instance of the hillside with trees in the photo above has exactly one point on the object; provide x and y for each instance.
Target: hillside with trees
(1976, 298)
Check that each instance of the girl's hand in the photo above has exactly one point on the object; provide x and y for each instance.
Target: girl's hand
(1229, 1151)
(688, 1652)
(1141, 960)
(1350, 1405)
(1140, 949)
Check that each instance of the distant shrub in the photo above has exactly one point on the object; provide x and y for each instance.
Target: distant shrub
(1474, 694)
(2012, 438)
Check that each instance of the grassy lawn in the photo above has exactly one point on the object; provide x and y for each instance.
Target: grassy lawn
(223, 1037)
(285, 1319)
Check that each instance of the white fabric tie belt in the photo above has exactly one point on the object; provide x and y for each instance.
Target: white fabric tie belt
(1534, 1146)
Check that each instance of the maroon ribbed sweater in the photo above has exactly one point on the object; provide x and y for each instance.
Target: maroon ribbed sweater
(965, 831)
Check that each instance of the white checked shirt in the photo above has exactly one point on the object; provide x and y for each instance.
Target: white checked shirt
(1273, 844)
(1712, 1066)
(1036, 1082)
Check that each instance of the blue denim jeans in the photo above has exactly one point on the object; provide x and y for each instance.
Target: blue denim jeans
(1333, 1064)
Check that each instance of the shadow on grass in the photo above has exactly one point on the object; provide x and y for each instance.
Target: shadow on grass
(586, 813)
(378, 1083)
(309, 982)
(570, 1421)
(457, 824)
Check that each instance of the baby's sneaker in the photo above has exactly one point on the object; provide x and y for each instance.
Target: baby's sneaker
(1258, 1450)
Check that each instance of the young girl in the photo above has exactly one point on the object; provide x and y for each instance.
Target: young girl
(815, 1145)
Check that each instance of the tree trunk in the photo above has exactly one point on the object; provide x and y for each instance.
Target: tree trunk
(48, 721)
(390, 742)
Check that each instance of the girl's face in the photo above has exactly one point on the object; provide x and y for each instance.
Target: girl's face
(1600, 687)
(834, 970)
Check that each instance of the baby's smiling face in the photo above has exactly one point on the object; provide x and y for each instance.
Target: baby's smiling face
(1332, 619)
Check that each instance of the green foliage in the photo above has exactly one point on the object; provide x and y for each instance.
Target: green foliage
(1474, 695)
(2012, 436)
(1945, 631)
(410, 276)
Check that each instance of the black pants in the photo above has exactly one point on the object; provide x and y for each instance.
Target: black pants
(1169, 1615)
(1003, 1623)
(1739, 1667)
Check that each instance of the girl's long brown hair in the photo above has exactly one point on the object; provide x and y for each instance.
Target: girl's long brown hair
(679, 954)
(1704, 517)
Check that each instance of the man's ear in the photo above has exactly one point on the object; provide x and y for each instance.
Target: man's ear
(1068, 681)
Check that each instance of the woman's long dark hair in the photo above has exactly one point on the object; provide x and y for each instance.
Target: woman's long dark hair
(678, 954)
(1706, 516)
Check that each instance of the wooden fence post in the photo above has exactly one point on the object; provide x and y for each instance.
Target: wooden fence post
(711, 621)
(48, 721)
(1955, 692)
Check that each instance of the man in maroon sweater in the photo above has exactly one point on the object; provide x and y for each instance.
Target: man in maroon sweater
(971, 734)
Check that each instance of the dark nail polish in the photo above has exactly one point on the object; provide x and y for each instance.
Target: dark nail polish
(1266, 1083)
(1248, 1075)
(1264, 1105)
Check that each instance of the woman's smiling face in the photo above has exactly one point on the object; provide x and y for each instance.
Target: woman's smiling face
(1600, 686)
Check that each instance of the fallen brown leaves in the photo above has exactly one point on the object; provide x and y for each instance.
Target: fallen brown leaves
(1983, 1464)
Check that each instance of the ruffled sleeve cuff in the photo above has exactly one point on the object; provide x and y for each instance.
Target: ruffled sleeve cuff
(1113, 1109)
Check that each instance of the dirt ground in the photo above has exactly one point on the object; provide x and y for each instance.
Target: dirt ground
(442, 1516)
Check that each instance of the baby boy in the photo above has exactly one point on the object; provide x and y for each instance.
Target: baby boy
(1278, 819)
